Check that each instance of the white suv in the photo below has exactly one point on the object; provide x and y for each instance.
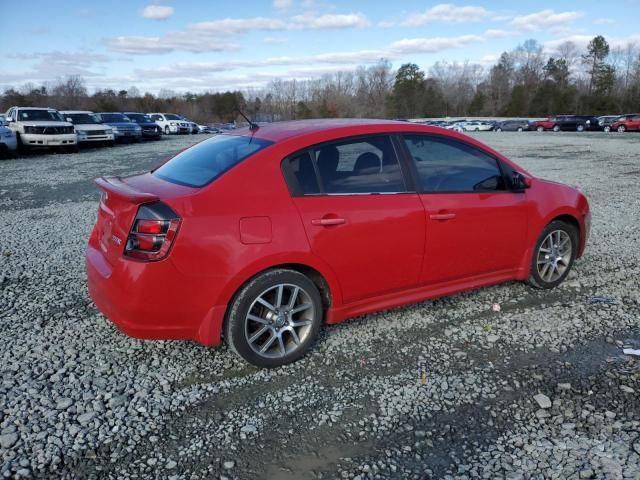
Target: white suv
(170, 123)
(88, 128)
(41, 127)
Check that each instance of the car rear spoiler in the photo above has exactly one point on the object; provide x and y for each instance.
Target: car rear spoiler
(115, 186)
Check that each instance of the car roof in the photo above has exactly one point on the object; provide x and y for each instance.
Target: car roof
(278, 131)
(75, 111)
(49, 109)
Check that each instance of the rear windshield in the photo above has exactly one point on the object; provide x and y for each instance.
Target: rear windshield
(206, 161)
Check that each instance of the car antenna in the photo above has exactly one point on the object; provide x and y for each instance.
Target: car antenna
(252, 125)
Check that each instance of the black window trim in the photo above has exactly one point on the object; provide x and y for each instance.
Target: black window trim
(409, 160)
(296, 191)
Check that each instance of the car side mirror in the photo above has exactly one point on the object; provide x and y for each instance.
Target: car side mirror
(519, 182)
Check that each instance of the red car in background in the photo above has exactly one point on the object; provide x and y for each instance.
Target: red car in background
(548, 124)
(260, 236)
(630, 122)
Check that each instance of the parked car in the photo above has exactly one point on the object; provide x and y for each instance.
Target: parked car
(629, 122)
(124, 129)
(265, 234)
(478, 126)
(150, 129)
(512, 126)
(88, 128)
(8, 141)
(41, 127)
(208, 129)
(605, 121)
(170, 123)
(567, 123)
(193, 126)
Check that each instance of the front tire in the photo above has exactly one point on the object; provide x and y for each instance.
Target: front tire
(622, 129)
(556, 128)
(553, 255)
(275, 318)
(580, 128)
(540, 128)
(519, 129)
(607, 129)
(166, 130)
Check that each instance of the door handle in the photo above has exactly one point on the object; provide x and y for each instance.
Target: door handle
(442, 216)
(327, 222)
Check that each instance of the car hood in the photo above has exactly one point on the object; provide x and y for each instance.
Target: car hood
(91, 127)
(44, 123)
(147, 124)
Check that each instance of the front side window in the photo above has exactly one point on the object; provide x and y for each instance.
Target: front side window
(446, 165)
(206, 161)
(354, 166)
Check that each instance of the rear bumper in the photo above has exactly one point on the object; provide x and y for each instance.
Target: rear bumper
(153, 301)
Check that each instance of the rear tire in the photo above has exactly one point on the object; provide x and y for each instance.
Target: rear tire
(622, 129)
(540, 129)
(166, 130)
(275, 318)
(580, 128)
(556, 128)
(607, 129)
(519, 129)
(498, 129)
(553, 255)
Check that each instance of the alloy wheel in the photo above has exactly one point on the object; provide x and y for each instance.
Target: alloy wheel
(279, 320)
(554, 255)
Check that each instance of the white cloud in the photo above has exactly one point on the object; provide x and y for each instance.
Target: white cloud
(234, 26)
(166, 44)
(544, 19)
(431, 45)
(604, 21)
(157, 12)
(213, 36)
(447, 13)
(282, 4)
(330, 21)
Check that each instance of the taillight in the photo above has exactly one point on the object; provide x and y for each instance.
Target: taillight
(152, 233)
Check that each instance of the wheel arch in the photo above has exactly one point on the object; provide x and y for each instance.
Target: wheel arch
(321, 277)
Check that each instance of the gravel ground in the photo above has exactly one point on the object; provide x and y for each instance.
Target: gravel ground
(442, 389)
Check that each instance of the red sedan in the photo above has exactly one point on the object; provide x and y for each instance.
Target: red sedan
(627, 123)
(260, 236)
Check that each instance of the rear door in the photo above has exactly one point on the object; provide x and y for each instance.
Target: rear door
(634, 122)
(475, 225)
(359, 214)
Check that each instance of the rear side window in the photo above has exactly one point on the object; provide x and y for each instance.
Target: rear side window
(206, 161)
(446, 165)
(355, 166)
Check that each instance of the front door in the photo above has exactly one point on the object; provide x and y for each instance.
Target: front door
(475, 224)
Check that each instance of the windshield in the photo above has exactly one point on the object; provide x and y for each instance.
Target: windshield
(30, 115)
(113, 117)
(206, 161)
(139, 118)
(171, 116)
(82, 118)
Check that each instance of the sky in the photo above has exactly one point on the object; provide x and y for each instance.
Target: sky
(213, 45)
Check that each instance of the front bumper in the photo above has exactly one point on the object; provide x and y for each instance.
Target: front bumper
(40, 140)
(127, 134)
(153, 300)
(151, 133)
(109, 137)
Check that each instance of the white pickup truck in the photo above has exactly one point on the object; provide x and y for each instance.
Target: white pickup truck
(41, 127)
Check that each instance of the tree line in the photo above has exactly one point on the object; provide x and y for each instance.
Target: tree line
(524, 82)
